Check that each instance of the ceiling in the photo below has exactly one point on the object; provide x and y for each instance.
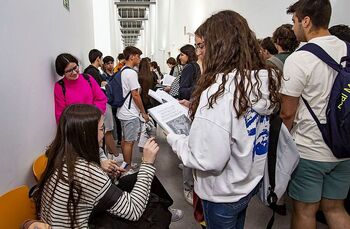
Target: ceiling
(132, 15)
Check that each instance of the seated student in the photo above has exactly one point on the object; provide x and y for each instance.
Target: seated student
(74, 183)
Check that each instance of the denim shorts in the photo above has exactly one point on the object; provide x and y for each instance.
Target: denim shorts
(313, 180)
(131, 129)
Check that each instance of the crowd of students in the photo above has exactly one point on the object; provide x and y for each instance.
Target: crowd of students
(232, 83)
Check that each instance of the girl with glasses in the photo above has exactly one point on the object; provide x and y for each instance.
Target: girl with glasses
(75, 87)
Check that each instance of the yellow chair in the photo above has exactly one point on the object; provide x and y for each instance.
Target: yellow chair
(16, 207)
(39, 166)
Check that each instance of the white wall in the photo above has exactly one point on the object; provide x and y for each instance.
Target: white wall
(263, 16)
(106, 30)
(33, 33)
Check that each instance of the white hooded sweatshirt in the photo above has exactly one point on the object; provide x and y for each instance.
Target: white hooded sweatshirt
(227, 154)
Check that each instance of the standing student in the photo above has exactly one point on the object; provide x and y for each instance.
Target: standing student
(156, 69)
(268, 48)
(95, 58)
(188, 80)
(75, 87)
(108, 64)
(227, 144)
(175, 86)
(130, 116)
(320, 180)
(121, 62)
(171, 62)
(147, 81)
(190, 73)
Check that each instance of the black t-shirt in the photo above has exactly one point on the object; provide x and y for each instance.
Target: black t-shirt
(95, 73)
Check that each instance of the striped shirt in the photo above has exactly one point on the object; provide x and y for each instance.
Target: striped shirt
(94, 183)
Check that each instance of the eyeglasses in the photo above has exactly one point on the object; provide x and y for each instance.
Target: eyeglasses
(70, 71)
(199, 45)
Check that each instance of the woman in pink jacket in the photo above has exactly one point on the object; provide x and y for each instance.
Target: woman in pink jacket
(75, 87)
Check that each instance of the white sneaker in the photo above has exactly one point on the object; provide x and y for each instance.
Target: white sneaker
(176, 214)
(188, 196)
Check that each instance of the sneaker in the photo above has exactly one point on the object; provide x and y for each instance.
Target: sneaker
(180, 166)
(176, 214)
(188, 196)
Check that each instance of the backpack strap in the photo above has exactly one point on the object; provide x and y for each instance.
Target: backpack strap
(87, 77)
(326, 58)
(275, 128)
(312, 113)
(108, 200)
(321, 54)
(347, 57)
(126, 67)
(61, 82)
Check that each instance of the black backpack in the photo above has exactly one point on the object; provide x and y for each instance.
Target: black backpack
(61, 82)
(114, 90)
(336, 132)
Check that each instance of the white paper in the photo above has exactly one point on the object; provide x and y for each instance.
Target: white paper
(172, 117)
(168, 80)
(161, 96)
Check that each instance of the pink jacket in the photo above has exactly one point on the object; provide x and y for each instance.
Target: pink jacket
(78, 91)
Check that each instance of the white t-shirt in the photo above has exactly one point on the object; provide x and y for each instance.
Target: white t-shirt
(129, 82)
(308, 76)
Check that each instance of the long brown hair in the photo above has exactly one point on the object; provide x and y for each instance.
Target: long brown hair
(231, 45)
(146, 80)
(76, 137)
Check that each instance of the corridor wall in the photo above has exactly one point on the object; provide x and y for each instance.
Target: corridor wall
(263, 17)
(33, 33)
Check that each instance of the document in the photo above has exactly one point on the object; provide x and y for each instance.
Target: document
(168, 80)
(172, 117)
(161, 96)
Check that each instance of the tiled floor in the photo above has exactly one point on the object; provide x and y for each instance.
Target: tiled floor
(258, 215)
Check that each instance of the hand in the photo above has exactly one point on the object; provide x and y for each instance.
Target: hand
(150, 150)
(104, 83)
(185, 103)
(145, 116)
(167, 89)
(111, 167)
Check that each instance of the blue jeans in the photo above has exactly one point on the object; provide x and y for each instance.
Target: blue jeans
(227, 215)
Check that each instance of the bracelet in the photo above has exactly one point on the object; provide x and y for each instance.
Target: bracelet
(146, 162)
